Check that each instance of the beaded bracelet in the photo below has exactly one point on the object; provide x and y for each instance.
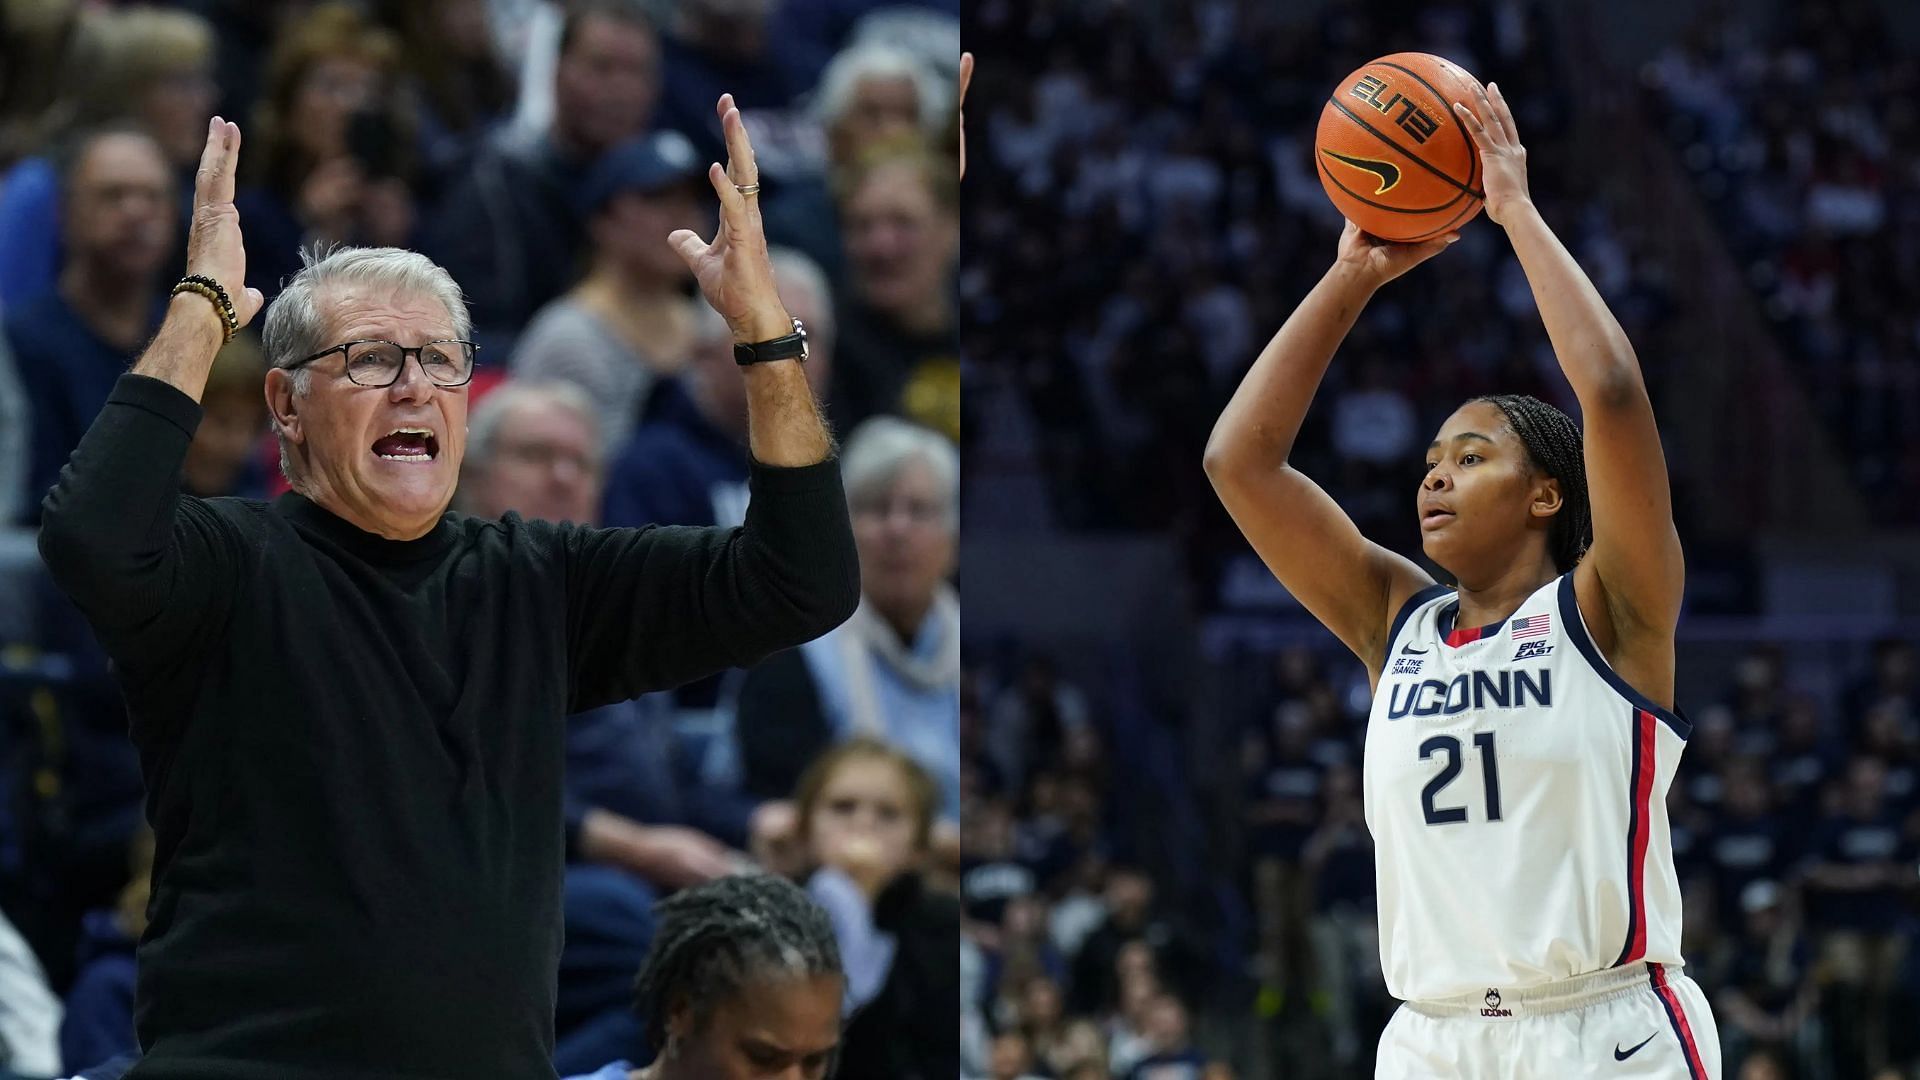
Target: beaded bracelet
(201, 285)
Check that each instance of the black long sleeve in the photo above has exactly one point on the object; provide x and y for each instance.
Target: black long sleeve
(353, 746)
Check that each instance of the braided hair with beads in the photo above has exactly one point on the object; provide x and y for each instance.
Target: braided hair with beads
(1555, 448)
(714, 939)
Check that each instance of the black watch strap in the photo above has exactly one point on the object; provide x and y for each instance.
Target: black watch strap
(790, 347)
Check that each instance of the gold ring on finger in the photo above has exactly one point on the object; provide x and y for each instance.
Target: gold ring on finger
(748, 189)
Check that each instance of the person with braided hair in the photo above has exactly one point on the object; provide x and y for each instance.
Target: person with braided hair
(1523, 731)
(742, 982)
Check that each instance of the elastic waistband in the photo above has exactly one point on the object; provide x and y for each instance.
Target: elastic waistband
(1562, 995)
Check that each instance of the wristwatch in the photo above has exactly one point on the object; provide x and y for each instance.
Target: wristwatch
(790, 347)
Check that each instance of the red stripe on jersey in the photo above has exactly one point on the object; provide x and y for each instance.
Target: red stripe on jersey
(1642, 829)
(1461, 637)
(1696, 1068)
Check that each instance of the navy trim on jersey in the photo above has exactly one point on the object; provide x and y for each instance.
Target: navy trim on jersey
(1577, 630)
(1452, 612)
(1431, 592)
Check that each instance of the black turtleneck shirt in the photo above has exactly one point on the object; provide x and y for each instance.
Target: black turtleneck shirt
(353, 746)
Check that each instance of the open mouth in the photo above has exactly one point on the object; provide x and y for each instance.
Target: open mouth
(1436, 516)
(408, 444)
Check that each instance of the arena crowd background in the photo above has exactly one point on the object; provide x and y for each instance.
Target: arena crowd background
(542, 152)
(1167, 872)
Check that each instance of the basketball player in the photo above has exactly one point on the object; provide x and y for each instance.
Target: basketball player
(1523, 730)
(743, 982)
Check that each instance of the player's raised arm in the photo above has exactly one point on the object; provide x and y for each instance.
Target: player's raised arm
(1631, 580)
(1352, 585)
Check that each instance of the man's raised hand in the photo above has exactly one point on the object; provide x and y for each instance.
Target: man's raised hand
(733, 271)
(214, 248)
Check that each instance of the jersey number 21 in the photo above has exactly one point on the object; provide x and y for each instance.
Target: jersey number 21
(1447, 744)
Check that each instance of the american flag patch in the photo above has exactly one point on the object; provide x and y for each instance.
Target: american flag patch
(1532, 626)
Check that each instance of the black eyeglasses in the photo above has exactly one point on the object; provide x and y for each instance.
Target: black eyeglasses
(374, 363)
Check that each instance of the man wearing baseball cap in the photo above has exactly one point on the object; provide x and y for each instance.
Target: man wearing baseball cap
(630, 319)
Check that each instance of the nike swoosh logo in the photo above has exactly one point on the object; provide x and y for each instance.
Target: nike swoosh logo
(1387, 171)
(1411, 651)
(1622, 1055)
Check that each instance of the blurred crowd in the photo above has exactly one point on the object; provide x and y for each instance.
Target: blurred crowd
(1796, 833)
(542, 152)
(1801, 133)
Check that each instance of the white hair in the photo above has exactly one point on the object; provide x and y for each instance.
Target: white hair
(487, 418)
(791, 268)
(879, 448)
(296, 326)
(856, 64)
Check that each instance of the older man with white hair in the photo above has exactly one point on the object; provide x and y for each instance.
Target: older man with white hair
(350, 703)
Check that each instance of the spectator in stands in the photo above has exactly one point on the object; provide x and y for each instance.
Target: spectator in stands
(1131, 916)
(869, 95)
(634, 830)
(866, 811)
(990, 876)
(118, 216)
(1747, 842)
(1023, 951)
(712, 46)
(30, 1024)
(629, 321)
(333, 159)
(1043, 1020)
(1171, 1055)
(899, 324)
(16, 434)
(743, 980)
(893, 670)
(1012, 1057)
(509, 230)
(99, 1020)
(1894, 675)
(1862, 864)
(455, 74)
(223, 458)
(1283, 803)
(1805, 757)
(1769, 999)
(1128, 1041)
(150, 65)
(687, 462)
(1338, 859)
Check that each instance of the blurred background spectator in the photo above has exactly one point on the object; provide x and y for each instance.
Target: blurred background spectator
(119, 223)
(1160, 749)
(542, 151)
(629, 320)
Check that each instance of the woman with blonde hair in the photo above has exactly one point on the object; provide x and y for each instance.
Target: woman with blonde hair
(151, 65)
(334, 159)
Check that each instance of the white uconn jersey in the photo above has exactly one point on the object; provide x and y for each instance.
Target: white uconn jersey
(1516, 791)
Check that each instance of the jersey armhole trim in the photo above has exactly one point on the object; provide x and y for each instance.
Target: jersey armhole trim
(1426, 595)
(1577, 630)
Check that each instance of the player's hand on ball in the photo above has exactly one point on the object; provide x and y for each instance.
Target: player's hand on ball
(214, 248)
(1503, 161)
(1380, 261)
(733, 271)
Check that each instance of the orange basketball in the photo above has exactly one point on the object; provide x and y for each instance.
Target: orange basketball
(1392, 154)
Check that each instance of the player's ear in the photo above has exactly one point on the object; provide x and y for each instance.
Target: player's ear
(1547, 499)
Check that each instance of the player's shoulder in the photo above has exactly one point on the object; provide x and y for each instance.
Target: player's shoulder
(1422, 600)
